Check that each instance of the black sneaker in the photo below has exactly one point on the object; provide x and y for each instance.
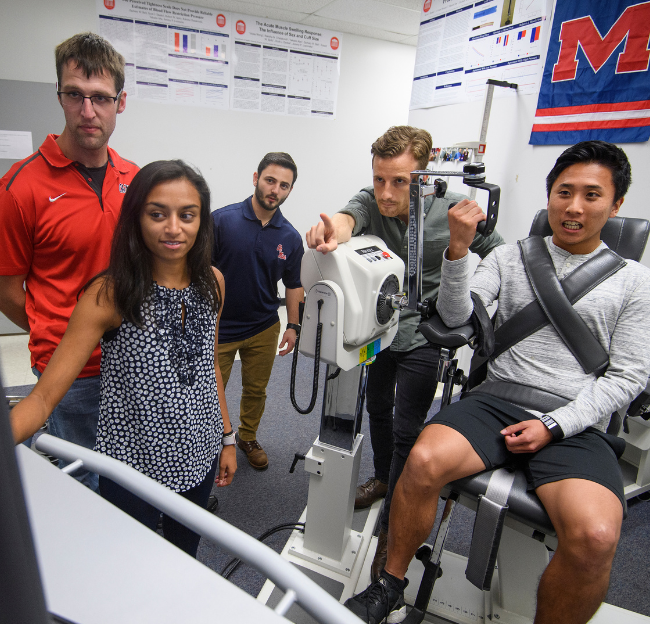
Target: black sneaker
(383, 601)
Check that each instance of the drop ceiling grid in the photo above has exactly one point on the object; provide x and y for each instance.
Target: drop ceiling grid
(388, 20)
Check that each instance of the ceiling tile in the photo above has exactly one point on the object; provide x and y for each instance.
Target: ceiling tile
(257, 10)
(387, 20)
(373, 13)
(414, 5)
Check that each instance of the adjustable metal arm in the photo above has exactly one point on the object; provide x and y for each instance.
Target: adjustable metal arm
(473, 175)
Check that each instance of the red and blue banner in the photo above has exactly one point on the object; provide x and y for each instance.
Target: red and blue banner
(596, 82)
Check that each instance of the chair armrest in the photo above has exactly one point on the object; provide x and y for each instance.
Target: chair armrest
(641, 405)
(438, 334)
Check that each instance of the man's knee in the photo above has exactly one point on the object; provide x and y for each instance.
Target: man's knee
(595, 536)
(424, 467)
(587, 518)
(590, 545)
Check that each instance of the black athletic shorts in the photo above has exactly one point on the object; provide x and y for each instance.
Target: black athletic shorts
(590, 455)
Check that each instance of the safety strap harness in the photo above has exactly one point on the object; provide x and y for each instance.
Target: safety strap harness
(553, 303)
(488, 526)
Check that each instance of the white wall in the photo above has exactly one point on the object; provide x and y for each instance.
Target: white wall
(333, 156)
(520, 169)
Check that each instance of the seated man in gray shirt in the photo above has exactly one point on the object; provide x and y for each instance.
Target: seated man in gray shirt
(570, 461)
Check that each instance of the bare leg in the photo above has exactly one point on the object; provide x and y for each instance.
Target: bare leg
(587, 517)
(440, 455)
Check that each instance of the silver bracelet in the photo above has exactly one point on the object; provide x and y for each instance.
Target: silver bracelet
(229, 439)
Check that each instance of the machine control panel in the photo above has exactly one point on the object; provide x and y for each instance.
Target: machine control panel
(374, 254)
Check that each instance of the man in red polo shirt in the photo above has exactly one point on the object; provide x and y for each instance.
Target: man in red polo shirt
(58, 210)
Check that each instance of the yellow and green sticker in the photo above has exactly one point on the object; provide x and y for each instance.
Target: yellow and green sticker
(370, 350)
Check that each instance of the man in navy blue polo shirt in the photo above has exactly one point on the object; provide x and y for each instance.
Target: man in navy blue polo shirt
(254, 248)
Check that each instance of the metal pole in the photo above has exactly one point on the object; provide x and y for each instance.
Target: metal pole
(416, 225)
(487, 108)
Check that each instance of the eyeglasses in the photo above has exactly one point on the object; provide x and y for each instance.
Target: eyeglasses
(74, 99)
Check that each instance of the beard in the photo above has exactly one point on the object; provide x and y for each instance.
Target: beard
(88, 142)
(262, 200)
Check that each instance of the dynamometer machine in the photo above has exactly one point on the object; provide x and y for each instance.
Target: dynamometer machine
(353, 298)
(352, 301)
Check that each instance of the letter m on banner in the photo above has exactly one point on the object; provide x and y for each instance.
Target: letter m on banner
(596, 82)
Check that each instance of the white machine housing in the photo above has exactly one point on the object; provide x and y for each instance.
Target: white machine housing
(350, 281)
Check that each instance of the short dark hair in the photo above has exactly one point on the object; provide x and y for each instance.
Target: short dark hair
(93, 55)
(282, 159)
(399, 139)
(129, 271)
(599, 152)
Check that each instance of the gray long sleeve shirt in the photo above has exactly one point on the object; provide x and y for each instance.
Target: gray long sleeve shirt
(617, 312)
(394, 232)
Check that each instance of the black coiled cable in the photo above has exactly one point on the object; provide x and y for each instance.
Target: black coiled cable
(294, 364)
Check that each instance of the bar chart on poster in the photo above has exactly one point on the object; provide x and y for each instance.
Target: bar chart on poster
(198, 56)
(461, 44)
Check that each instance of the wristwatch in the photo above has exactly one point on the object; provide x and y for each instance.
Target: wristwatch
(552, 426)
(228, 438)
(294, 326)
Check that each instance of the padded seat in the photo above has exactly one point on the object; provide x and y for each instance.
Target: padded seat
(523, 505)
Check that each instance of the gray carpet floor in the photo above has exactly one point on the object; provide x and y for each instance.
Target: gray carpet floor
(258, 501)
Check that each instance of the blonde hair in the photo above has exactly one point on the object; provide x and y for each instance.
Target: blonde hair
(399, 139)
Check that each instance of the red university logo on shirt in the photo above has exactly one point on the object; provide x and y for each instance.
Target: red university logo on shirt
(280, 254)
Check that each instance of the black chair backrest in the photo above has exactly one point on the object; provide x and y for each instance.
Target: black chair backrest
(626, 236)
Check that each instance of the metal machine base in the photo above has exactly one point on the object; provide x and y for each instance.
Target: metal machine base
(344, 582)
(344, 565)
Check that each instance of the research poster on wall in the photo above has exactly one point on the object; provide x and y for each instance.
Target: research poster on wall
(284, 68)
(461, 44)
(184, 54)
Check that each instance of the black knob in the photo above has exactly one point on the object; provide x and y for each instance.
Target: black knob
(474, 168)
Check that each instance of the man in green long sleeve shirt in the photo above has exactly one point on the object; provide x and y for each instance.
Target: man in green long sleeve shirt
(402, 380)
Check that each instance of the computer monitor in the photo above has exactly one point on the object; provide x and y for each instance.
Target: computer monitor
(21, 591)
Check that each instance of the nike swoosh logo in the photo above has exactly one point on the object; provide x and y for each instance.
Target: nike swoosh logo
(53, 200)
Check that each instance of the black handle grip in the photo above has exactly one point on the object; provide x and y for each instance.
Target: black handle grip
(494, 194)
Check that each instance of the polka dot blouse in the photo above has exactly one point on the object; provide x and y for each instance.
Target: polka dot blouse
(159, 408)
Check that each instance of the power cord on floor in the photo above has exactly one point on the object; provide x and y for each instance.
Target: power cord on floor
(233, 564)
